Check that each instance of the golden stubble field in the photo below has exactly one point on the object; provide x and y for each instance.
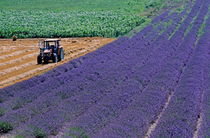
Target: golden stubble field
(18, 58)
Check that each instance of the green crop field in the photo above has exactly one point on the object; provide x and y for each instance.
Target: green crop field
(75, 18)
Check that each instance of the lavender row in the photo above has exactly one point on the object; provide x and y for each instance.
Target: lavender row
(157, 27)
(80, 75)
(161, 17)
(18, 111)
(147, 31)
(166, 13)
(181, 117)
(204, 130)
(205, 120)
(85, 117)
(137, 121)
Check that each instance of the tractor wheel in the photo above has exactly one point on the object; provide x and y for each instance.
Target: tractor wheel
(61, 56)
(46, 60)
(55, 58)
(39, 59)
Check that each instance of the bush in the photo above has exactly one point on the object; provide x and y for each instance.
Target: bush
(5, 127)
(1, 100)
(19, 136)
(38, 133)
(77, 132)
(17, 106)
(2, 112)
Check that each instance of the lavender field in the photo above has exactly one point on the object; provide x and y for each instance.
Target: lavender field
(155, 84)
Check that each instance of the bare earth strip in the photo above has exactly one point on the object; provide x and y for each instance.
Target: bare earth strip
(18, 65)
(198, 126)
(17, 60)
(15, 68)
(9, 51)
(16, 53)
(154, 125)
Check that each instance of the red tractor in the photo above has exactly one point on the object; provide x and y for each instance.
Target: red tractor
(50, 49)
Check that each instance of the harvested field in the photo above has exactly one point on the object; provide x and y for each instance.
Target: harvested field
(18, 58)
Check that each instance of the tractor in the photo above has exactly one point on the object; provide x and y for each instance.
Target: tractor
(50, 49)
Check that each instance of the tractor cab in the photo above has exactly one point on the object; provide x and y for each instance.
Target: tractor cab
(50, 49)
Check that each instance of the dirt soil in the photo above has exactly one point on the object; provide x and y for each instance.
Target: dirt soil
(18, 59)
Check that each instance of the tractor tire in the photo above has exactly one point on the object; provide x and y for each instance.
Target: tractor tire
(46, 60)
(61, 56)
(55, 58)
(39, 59)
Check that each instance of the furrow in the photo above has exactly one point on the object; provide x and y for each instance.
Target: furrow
(18, 61)
(155, 123)
(15, 55)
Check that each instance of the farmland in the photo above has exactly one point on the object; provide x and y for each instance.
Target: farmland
(18, 59)
(72, 18)
(152, 85)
